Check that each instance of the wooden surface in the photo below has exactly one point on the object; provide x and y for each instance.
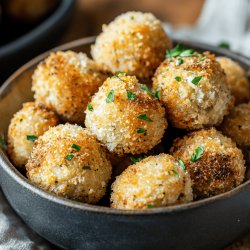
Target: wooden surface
(91, 14)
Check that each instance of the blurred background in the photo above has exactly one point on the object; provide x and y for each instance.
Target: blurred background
(29, 27)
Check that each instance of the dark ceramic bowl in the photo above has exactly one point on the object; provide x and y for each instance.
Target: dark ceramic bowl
(39, 39)
(206, 224)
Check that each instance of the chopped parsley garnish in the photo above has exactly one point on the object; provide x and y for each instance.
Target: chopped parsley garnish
(197, 154)
(32, 137)
(119, 73)
(175, 172)
(144, 87)
(179, 61)
(179, 50)
(69, 157)
(182, 163)
(110, 96)
(3, 143)
(224, 45)
(150, 206)
(177, 78)
(144, 117)
(86, 168)
(201, 59)
(196, 80)
(158, 94)
(76, 147)
(131, 96)
(90, 107)
(21, 120)
(137, 159)
(141, 130)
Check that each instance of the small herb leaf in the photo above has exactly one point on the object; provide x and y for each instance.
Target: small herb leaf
(150, 206)
(137, 159)
(196, 80)
(144, 117)
(31, 137)
(131, 96)
(122, 73)
(197, 154)
(177, 78)
(144, 87)
(224, 45)
(76, 147)
(141, 130)
(175, 172)
(69, 157)
(179, 61)
(86, 168)
(90, 107)
(182, 163)
(110, 96)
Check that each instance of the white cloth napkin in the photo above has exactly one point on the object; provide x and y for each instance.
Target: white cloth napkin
(220, 20)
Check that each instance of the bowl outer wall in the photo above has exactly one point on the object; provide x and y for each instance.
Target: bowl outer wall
(207, 224)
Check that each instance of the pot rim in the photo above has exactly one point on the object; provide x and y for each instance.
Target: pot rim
(23, 181)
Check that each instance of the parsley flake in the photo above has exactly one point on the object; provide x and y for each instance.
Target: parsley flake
(179, 50)
(69, 157)
(182, 163)
(110, 96)
(76, 147)
(197, 154)
(158, 94)
(137, 159)
(21, 120)
(175, 172)
(31, 137)
(131, 96)
(90, 107)
(201, 59)
(3, 143)
(144, 117)
(141, 130)
(150, 206)
(86, 168)
(178, 78)
(224, 45)
(196, 80)
(144, 87)
(179, 61)
(122, 73)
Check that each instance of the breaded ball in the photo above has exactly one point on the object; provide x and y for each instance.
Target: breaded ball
(125, 117)
(237, 125)
(214, 162)
(65, 82)
(134, 42)
(194, 90)
(155, 181)
(68, 161)
(236, 79)
(25, 127)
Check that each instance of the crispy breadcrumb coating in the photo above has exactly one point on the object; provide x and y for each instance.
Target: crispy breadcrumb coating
(237, 125)
(194, 91)
(31, 120)
(68, 161)
(65, 82)
(155, 181)
(124, 117)
(236, 79)
(214, 162)
(134, 42)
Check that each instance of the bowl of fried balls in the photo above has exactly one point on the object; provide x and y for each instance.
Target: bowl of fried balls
(129, 140)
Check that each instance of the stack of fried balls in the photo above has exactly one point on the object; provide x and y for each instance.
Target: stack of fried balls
(159, 124)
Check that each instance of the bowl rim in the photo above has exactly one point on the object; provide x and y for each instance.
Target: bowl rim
(23, 181)
(37, 32)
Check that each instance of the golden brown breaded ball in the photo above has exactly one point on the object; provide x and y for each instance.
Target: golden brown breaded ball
(237, 125)
(236, 79)
(134, 42)
(193, 90)
(26, 125)
(68, 161)
(65, 82)
(125, 117)
(214, 162)
(155, 181)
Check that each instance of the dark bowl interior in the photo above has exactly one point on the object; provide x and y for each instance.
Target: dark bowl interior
(206, 224)
(27, 41)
